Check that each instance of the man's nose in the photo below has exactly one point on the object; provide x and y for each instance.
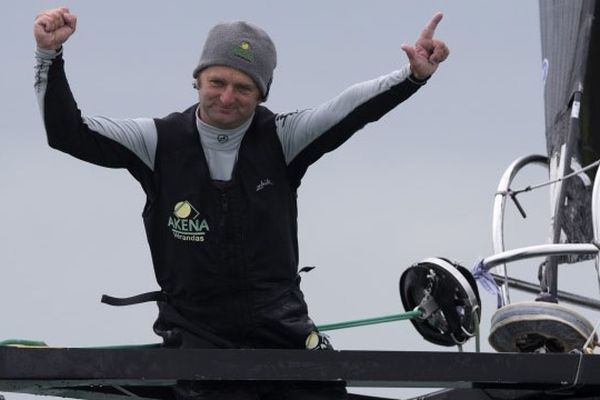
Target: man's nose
(228, 95)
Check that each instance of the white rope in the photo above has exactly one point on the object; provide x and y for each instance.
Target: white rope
(581, 353)
(597, 263)
(592, 335)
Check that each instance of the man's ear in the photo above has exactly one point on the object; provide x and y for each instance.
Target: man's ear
(195, 85)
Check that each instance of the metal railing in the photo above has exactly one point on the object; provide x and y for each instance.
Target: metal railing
(502, 256)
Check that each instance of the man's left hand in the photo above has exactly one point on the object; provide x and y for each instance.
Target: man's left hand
(427, 52)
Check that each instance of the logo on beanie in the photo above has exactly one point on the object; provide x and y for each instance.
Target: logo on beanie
(244, 51)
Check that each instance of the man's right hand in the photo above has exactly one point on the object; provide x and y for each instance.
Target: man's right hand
(53, 27)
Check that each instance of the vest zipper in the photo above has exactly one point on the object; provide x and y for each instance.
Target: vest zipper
(224, 202)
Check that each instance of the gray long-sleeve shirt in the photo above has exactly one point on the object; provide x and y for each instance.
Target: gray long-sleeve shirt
(296, 130)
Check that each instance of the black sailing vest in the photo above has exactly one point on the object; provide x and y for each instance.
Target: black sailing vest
(226, 255)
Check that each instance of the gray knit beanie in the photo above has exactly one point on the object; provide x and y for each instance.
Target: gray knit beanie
(242, 46)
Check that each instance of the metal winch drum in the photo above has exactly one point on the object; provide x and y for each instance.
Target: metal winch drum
(537, 326)
(447, 296)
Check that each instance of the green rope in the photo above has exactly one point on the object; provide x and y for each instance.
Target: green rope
(38, 343)
(369, 321)
(22, 342)
(326, 327)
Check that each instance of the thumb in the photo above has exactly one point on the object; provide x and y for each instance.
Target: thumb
(409, 50)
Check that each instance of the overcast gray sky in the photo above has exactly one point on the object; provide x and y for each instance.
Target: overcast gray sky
(418, 183)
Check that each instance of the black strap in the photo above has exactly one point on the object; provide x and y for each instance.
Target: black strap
(140, 298)
(306, 269)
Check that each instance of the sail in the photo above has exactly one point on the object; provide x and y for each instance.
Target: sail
(571, 65)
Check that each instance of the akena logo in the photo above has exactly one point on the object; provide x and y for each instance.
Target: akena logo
(186, 224)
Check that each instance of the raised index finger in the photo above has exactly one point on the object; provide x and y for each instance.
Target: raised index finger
(429, 29)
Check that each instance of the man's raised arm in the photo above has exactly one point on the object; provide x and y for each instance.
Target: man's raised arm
(104, 141)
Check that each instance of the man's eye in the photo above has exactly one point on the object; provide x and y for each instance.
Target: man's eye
(216, 83)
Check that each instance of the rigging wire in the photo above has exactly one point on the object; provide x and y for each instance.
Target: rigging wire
(477, 332)
(529, 188)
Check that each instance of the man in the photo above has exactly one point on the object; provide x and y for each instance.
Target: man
(221, 179)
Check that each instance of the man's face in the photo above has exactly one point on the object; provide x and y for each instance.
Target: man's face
(228, 97)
